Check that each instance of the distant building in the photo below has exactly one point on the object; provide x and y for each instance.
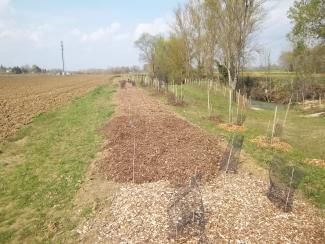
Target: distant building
(64, 73)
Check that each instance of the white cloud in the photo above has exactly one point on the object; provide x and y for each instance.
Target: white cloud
(34, 34)
(4, 4)
(14, 34)
(101, 33)
(157, 26)
(277, 12)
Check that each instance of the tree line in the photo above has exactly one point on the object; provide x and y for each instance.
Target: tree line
(207, 36)
(22, 69)
(307, 38)
(212, 38)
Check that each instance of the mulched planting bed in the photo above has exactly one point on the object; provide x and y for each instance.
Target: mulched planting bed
(316, 162)
(166, 148)
(232, 127)
(277, 144)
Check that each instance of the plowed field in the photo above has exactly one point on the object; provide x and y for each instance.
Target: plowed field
(22, 97)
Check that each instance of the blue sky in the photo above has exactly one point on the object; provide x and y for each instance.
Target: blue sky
(99, 33)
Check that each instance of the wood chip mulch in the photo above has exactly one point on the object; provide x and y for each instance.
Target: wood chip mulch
(277, 144)
(163, 146)
(236, 211)
(316, 162)
(168, 152)
(232, 127)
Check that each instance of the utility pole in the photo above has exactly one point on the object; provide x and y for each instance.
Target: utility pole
(62, 53)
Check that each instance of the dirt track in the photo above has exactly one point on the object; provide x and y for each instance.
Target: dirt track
(236, 207)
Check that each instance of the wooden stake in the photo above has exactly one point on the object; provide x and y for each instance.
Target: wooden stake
(287, 111)
(238, 95)
(268, 127)
(230, 152)
(133, 163)
(274, 122)
(230, 108)
(289, 191)
(209, 101)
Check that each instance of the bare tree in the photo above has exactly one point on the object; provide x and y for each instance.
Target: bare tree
(233, 21)
(182, 29)
(190, 25)
(147, 45)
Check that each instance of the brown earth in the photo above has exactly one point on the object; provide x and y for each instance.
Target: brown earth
(163, 146)
(22, 97)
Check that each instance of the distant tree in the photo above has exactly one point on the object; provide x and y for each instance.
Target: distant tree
(286, 61)
(36, 69)
(161, 59)
(307, 37)
(16, 70)
(176, 59)
(2, 68)
(308, 18)
(147, 44)
(207, 34)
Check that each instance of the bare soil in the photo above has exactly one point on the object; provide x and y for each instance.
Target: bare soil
(22, 97)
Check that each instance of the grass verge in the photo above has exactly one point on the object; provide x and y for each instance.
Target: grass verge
(43, 166)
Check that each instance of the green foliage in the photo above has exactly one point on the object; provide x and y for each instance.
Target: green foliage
(223, 72)
(308, 19)
(167, 59)
(308, 38)
(36, 69)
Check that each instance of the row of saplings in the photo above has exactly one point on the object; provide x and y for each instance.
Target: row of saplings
(186, 210)
(124, 82)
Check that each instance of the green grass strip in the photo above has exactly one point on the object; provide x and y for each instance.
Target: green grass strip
(36, 191)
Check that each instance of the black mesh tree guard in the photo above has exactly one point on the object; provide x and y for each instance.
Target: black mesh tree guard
(283, 181)
(230, 159)
(186, 213)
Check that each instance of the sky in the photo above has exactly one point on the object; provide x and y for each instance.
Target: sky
(101, 34)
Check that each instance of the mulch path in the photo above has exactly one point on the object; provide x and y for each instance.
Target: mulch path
(170, 150)
(236, 208)
(146, 143)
